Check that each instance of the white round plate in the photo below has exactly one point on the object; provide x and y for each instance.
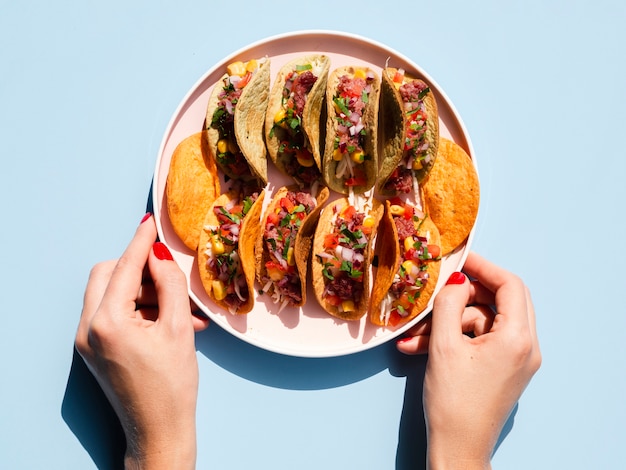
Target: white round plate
(308, 331)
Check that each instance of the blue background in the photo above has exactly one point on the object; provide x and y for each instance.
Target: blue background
(86, 91)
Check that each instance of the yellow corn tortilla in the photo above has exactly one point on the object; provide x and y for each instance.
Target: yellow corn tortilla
(303, 241)
(325, 226)
(311, 114)
(393, 130)
(249, 119)
(452, 194)
(370, 120)
(191, 187)
(389, 252)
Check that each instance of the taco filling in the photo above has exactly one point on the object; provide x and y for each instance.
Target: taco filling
(349, 102)
(412, 275)
(229, 155)
(229, 283)
(344, 258)
(288, 124)
(279, 237)
(416, 145)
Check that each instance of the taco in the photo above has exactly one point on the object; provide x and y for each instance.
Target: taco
(452, 193)
(282, 250)
(350, 159)
(409, 261)
(343, 251)
(187, 204)
(410, 132)
(292, 124)
(226, 242)
(235, 117)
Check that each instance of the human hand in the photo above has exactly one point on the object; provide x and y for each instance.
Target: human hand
(136, 335)
(472, 383)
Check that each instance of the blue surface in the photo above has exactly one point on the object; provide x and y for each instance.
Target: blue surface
(86, 91)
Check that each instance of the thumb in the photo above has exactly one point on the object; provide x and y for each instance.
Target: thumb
(448, 307)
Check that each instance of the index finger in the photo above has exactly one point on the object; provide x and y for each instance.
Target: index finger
(128, 272)
(508, 289)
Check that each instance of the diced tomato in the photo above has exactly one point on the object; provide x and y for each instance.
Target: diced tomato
(244, 80)
(404, 301)
(398, 77)
(331, 240)
(434, 250)
(273, 218)
(356, 181)
(394, 318)
(348, 212)
(333, 300)
(287, 204)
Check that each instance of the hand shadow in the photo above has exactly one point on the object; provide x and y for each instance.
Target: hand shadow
(89, 415)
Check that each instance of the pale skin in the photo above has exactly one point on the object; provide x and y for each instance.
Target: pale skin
(473, 382)
(136, 335)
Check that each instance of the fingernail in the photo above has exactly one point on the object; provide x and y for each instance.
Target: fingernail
(161, 251)
(404, 340)
(145, 217)
(456, 278)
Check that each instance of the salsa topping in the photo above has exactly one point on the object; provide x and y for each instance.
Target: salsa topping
(415, 252)
(349, 103)
(229, 156)
(288, 124)
(343, 258)
(415, 151)
(279, 237)
(229, 284)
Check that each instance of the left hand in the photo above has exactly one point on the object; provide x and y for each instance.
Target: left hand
(136, 335)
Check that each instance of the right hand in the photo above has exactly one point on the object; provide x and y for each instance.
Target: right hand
(472, 383)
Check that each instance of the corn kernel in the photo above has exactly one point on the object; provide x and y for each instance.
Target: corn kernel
(368, 222)
(357, 156)
(348, 306)
(251, 65)
(236, 68)
(304, 159)
(222, 146)
(291, 259)
(279, 116)
(409, 265)
(275, 274)
(337, 155)
(408, 243)
(360, 73)
(219, 290)
(395, 209)
(217, 247)
(417, 164)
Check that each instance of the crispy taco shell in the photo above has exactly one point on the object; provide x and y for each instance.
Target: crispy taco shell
(368, 169)
(325, 226)
(249, 119)
(248, 233)
(452, 193)
(395, 121)
(191, 187)
(275, 135)
(302, 246)
(389, 253)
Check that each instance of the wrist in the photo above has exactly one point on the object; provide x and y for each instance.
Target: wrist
(457, 453)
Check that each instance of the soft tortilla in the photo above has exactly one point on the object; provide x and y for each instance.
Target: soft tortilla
(191, 187)
(452, 195)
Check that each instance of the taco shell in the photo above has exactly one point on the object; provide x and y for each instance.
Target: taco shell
(452, 194)
(394, 124)
(191, 187)
(388, 249)
(311, 112)
(245, 248)
(369, 166)
(249, 119)
(303, 241)
(324, 227)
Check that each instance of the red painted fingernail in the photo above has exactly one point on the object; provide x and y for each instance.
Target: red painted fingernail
(456, 278)
(145, 217)
(161, 251)
(404, 340)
